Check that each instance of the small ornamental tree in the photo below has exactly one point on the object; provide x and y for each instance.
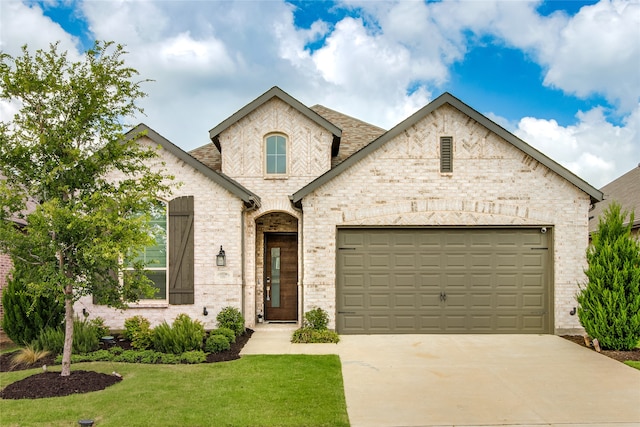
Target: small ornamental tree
(610, 302)
(84, 188)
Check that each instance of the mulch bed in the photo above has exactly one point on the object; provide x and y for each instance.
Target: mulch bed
(51, 384)
(621, 356)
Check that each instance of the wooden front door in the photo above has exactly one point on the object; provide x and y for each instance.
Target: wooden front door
(281, 277)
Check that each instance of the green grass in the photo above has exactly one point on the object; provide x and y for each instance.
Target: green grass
(633, 364)
(287, 390)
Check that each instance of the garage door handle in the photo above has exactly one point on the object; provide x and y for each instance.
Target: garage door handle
(443, 296)
(346, 312)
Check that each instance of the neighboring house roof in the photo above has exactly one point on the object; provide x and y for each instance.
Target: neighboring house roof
(447, 98)
(276, 92)
(355, 133)
(250, 199)
(624, 190)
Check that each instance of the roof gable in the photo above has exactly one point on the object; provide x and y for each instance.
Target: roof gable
(286, 98)
(447, 98)
(250, 199)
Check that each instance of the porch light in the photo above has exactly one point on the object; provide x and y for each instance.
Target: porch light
(221, 258)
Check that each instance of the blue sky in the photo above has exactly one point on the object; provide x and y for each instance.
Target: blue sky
(562, 75)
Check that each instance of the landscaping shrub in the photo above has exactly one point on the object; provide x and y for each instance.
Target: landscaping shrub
(309, 335)
(230, 317)
(315, 329)
(184, 335)
(217, 343)
(609, 307)
(26, 315)
(194, 356)
(86, 335)
(27, 355)
(51, 339)
(231, 336)
(138, 330)
(317, 319)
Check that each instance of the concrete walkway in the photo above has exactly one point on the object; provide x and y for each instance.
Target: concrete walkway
(472, 380)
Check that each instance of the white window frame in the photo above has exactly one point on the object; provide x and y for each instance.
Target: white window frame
(276, 175)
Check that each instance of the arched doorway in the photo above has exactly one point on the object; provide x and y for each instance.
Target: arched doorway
(277, 267)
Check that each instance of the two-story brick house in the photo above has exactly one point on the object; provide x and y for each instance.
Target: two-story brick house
(447, 223)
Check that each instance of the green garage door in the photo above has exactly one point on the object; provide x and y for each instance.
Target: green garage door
(444, 280)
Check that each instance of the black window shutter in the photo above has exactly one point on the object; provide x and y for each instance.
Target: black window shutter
(181, 251)
(446, 154)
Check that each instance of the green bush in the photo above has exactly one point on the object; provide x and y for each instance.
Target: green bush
(97, 324)
(191, 357)
(27, 314)
(217, 343)
(231, 336)
(138, 330)
(317, 319)
(86, 336)
(609, 304)
(51, 339)
(184, 335)
(230, 317)
(309, 335)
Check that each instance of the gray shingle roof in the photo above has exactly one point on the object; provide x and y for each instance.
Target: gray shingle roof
(626, 191)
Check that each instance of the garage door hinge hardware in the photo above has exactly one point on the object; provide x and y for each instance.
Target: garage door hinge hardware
(346, 249)
(443, 296)
(346, 312)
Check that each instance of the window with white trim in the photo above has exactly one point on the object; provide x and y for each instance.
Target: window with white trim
(276, 155)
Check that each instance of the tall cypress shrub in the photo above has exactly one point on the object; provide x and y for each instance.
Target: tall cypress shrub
(609, 304)
(27, 312)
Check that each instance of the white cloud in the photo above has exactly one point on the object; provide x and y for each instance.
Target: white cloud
(593, 149)
(598, 51)
(21, 24)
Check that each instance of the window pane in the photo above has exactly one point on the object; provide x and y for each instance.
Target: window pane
(159, 278)
(276, 152)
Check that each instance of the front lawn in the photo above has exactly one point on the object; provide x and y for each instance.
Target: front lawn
(283, 390)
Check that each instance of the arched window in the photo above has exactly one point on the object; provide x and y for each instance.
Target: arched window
(154, 257)
(276, 154)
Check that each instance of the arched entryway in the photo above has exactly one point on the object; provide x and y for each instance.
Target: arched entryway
(277, 267)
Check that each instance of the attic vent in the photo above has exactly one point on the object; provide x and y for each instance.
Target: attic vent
(446, 154)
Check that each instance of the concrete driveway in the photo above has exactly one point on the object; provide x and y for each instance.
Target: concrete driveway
(473, 380)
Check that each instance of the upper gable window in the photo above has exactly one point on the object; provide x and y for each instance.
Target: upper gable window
(276, 154)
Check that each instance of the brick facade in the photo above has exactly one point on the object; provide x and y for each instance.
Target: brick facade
(217, 221)
(5, 268)
(493, 183)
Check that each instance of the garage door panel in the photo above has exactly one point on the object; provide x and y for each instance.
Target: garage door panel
(443, 281)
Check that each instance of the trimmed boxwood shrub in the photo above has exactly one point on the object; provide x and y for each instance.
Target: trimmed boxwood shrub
(231, 336)
(217, 343)
(230, 317)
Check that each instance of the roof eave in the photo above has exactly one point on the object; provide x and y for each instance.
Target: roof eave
(446, 98)
(274, 92)
(249, 199)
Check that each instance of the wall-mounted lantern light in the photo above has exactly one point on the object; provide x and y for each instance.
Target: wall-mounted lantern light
(221, 258)
(205, 311)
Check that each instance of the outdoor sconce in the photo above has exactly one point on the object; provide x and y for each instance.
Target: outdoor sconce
(204, 311)
(221, 258)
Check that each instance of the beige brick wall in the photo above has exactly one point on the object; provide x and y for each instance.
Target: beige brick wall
(492, 183)
(5, 268)
(243, 149)
(217, 221)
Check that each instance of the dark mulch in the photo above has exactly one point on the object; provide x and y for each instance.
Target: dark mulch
(621, 356)
(51, 384)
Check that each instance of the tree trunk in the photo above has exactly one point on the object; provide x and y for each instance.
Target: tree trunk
(68, 331)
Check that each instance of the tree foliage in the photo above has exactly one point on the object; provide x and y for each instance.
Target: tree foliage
(610, 302)
(78, 180)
